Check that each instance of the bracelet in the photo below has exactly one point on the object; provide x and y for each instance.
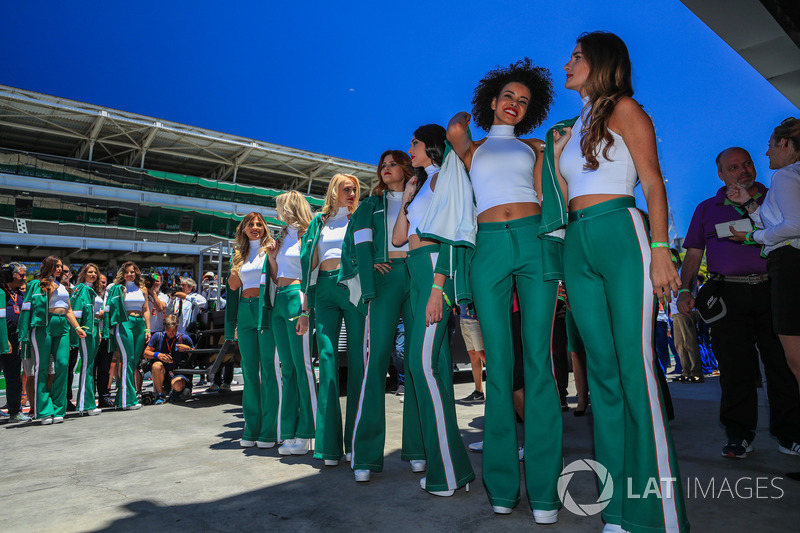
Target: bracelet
(748, 202)
(305, 313)
(446, 299)
(659, 245)
(748, 239)
(683, 290)
(435, 286)
(155, 356)
(147, 331)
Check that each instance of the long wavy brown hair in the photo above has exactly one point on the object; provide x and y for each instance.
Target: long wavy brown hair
(98, 289)
(402, 159)
(609, 80)
(243, 242)
(48, 269)
(119, 279)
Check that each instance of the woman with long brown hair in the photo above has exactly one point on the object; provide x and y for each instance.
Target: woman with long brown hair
(612, 284)
(87, 305)
(248, 314)
(127, 316)
(298, 391)
(44, 326)
(320, 258)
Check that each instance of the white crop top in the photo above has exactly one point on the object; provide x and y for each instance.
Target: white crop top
(502, 170)
(394, 203)
(289, 256)
(332, 237)
(615, 175)
(250, 272)
(419, 205)
(134, 297)
(60, 298)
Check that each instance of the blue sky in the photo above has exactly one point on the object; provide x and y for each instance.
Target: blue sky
(352, 79)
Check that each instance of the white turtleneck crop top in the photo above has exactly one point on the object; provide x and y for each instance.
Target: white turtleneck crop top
(615, 175)
(289, 256)
(60, 298)
(332, 236)
(502, 170)
(250, 271)
(419, 205)
(134, 297)
(394, 203)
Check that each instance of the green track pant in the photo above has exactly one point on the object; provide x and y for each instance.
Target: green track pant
(612, 298)
(448, 463)
(299, 391)
(260, 367)
(331, 306)
(392, 302)
(130, 340)
(508, 254)
(88, 350)
(49, 341)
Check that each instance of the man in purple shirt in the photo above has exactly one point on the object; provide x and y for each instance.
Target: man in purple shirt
(748, 321)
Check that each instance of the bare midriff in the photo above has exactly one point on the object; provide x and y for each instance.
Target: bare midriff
(58, 310)
(285, 282)
(250, 293)
(397, 255)
(134, 313)
(330, 264)
(414, 242)
(506, 212)
(588, 200)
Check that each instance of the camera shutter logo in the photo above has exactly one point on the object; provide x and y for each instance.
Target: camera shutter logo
(607, 484)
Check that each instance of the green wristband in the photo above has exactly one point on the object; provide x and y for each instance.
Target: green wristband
(659, 245)
(683, 290)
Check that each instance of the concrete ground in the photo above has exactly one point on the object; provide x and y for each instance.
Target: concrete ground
(180, 468)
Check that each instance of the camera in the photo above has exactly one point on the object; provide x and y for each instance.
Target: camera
(149, 279)
(6, 274)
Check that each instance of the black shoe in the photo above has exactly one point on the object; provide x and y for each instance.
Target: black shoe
(475, 397)
(107, 402)
(737, 448)
(696, 379)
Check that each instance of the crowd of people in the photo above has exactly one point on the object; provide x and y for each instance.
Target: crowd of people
(506, 227)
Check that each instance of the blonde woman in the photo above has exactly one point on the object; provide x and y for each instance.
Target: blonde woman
(128, 318)
(87, 306)
(299, 394)
(320, 258)
(248, 314)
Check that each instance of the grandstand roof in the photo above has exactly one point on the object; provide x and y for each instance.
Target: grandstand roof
(37, 122)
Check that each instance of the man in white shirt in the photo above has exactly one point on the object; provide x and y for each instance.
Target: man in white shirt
(186, 304)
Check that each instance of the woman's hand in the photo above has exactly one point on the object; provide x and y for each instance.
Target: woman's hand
(383, 268)
(411, 186)
(433, 311)
(737, 194)
(272, 250)
(560, 141)
(302, 325)
(80, 332)
(147, 336)
(663, 274)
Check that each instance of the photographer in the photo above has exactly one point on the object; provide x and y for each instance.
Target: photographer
(186, 304)
(210, 291)
(167, 351)
(158, 301)
(13, 278)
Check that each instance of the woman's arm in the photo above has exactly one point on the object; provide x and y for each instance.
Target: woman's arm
(458, 135)
(636, 129)
(74, 322)
(785, 193)
(234, 281)
(400, 231)
(146, 315)
(272, 257)
(433, 311)
(537, 145)
(560, 141)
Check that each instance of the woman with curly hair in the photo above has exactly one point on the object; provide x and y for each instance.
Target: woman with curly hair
(374, 267)
(320, 258)
(247, 318)
(128, 319)
(433, 292)
(44, 326)
(611, 283)
(87, 305)
(299, 393)
(506, 180)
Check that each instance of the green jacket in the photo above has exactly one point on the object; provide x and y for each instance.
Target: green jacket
(115, 313)
(82, 302)
(307, 249)
(33, 314)
(357, 272)
(554, 209)
(266, 293)
(3, 324)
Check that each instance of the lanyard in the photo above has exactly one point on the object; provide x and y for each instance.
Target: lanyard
(174, 341)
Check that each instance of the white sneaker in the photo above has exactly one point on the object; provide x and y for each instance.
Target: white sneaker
(362, 475)
(247, 443)
(613, 528)
(499, 509)
(443, 493)
(347, 457)
(545, 517)
(261, 444)
(419, 465)
(300, 446)
(58, 420)
(331, 462)
(134, 407)
(286, 447)
(476, 447)
(46, 421)
(93, 412)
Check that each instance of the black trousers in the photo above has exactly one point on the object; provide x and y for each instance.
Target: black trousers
(12, 369)
(102, 369)
(734, 339)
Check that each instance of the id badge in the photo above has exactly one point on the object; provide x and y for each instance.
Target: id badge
(16, 309)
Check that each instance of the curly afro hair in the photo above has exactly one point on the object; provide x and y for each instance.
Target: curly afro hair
(537, 79)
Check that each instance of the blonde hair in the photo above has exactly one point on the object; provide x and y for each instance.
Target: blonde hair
(293, 208)
(243, 242)
(120, 278)
(332, 196)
